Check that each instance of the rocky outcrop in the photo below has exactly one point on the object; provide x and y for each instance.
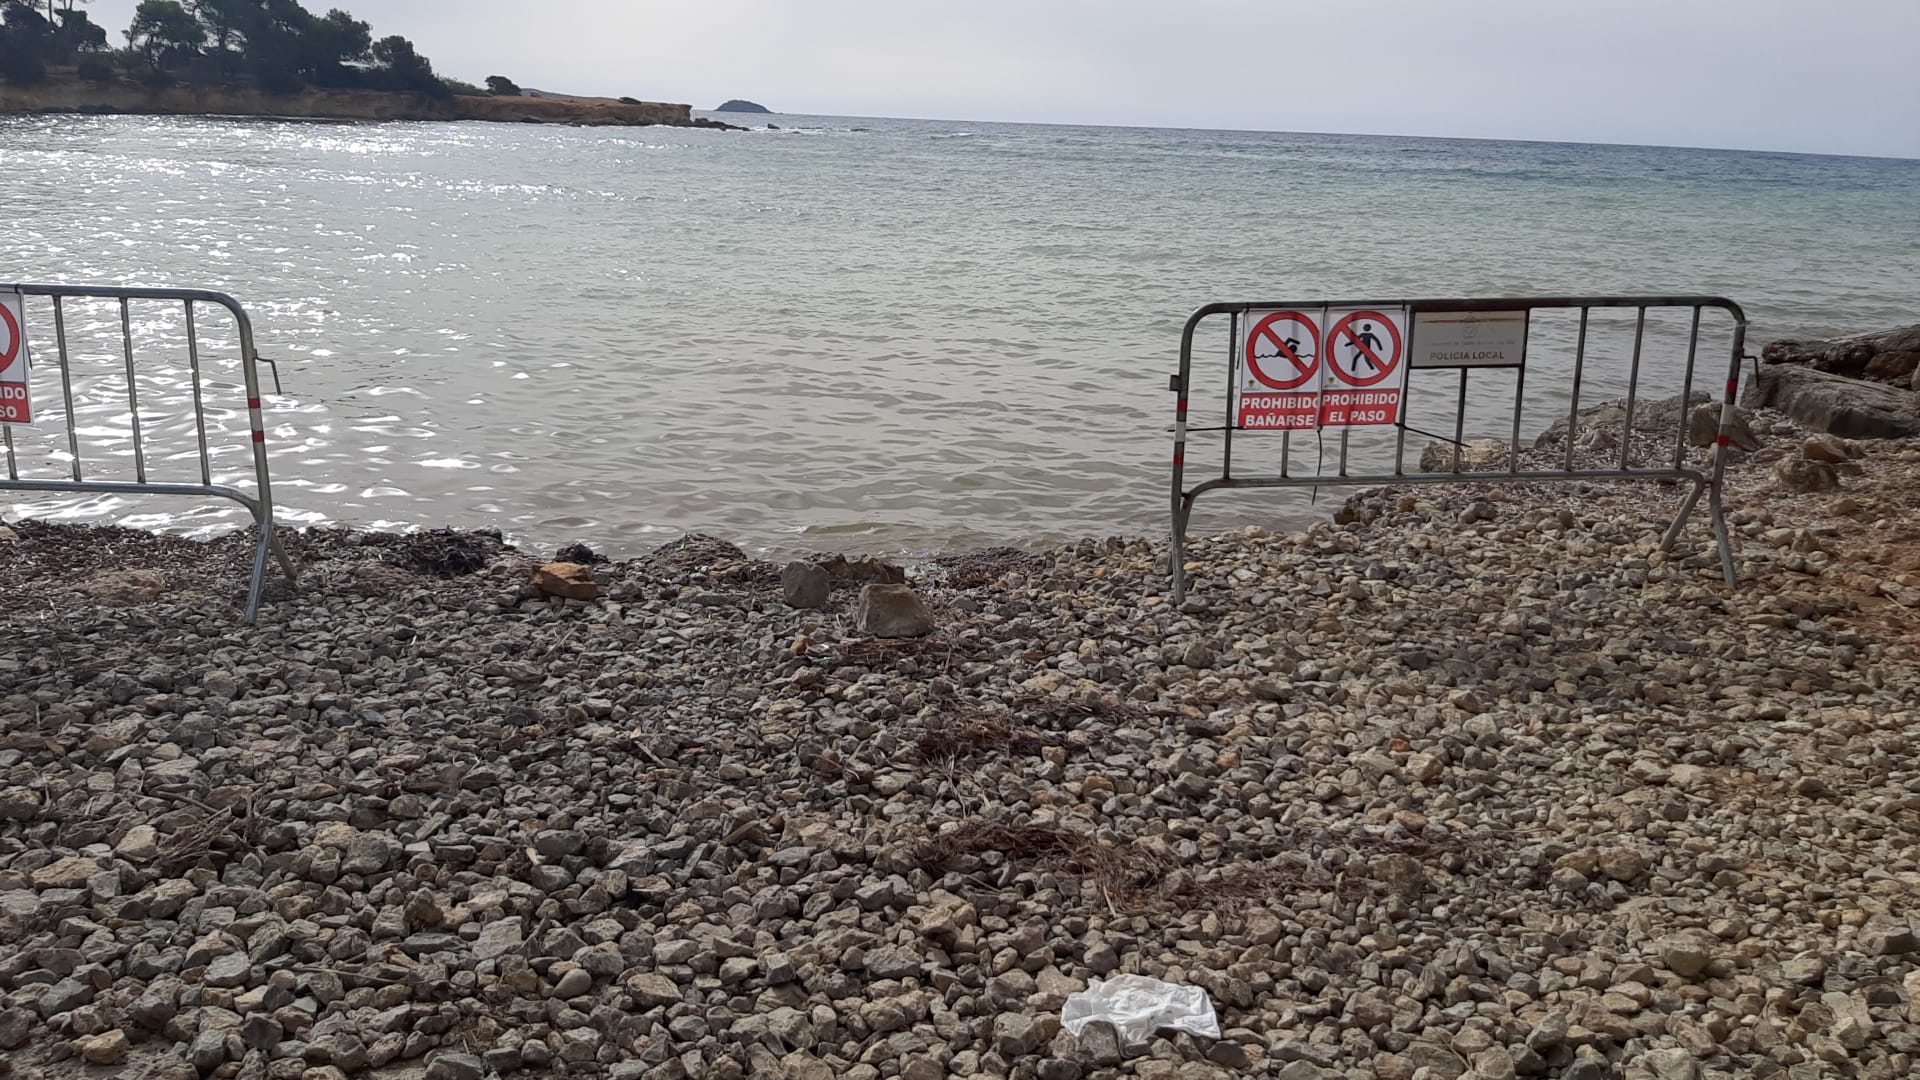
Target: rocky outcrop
(1650, 416)
(1849, 408)
(740, 105)
(74, 96)
(1891, 357)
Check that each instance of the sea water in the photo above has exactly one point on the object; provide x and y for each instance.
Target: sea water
(893, 335)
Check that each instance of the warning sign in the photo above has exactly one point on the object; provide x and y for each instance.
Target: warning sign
(1280, 372)
(1457, 339)
(1364, 353)
(15, 406)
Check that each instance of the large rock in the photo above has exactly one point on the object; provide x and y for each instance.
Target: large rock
(805, 585)
(1803, 476)
(571, 580)
(1703, 428)
(1891, 357)
(892, 611)
(1849, 408)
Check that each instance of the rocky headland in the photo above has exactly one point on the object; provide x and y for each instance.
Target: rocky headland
(1475, 782)
(123, 96)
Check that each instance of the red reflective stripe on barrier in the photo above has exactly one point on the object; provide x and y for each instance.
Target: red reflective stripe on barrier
(1183, 404)
(253, 403)
(1726, 440)
(1179, 459)
(259, 436)
(1733, 387)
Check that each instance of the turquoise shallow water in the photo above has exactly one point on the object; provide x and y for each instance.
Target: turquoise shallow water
(885, 334)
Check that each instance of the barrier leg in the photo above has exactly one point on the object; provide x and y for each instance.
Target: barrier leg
(1686, 511)
(1177, 555)
(1720, 523)
(286, 564)
(259, 565)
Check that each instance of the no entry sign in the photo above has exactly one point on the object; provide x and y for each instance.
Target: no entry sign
(1280, 371)
(15, 406)
(1365, 351)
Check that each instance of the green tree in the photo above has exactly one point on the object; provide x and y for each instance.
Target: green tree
(401, 67)
(226, 20)
(500, 84)
(334, 42)
(78, 34)
(165, 34)
(65, 8)
(26, 43)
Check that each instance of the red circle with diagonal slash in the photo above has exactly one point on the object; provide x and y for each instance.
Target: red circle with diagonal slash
(1294, 371)
(12, 328)
(1383, 366)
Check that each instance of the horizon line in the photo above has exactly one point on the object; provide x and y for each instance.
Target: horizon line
(1352, 134)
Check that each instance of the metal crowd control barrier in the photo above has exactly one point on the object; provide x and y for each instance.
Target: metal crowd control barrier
(259, 503)
(1292, 324)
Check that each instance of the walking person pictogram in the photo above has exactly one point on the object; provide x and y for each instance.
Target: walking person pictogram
(1365, 346)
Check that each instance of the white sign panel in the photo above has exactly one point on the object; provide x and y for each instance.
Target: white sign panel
(1280, 371)
(1461, 339)
(15, 406)
(1364, 350)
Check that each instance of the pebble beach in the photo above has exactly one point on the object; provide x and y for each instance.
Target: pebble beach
(1468, 782)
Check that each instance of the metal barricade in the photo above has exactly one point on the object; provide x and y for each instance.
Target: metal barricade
(1286, 404)
(259, 503)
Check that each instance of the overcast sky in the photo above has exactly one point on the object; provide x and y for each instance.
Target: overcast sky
(1837, 77)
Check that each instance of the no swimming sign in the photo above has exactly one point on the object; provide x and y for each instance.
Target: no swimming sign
(15, 406)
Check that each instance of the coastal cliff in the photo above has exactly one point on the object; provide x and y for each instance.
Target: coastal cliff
(182, 99)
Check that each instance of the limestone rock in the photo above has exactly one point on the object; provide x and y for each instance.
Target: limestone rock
(650, 990)
(841, 568)
(1849, 408)
(124, 588)
(1622, 864)
(19, 804)
(1598, 427)
(141, 844)
(571, 580)
(1401, 873)
(805, 584)
(1828, 448)
(71, 872)
(892, 611)
(1476, 455)
(1802, 476)
(1703, 428)
(1891, 356)
(1686, 955)
(108, 1048)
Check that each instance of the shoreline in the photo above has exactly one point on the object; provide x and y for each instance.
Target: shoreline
(122, 97)
(1472, 746)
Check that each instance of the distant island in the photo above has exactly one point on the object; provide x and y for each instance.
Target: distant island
(739, 105)
(257, 59)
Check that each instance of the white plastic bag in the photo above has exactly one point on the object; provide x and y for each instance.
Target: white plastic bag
(1138, 1006)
